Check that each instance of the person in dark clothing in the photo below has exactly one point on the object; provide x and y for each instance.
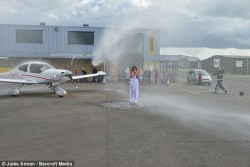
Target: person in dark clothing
(146, 76)
(95, 77)
(166, 78)
(84, 72)
(199, 77)
(100, 77)
(219, 75)
(156, 76)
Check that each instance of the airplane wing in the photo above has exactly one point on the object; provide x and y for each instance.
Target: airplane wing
(18, 81)
(89, 75)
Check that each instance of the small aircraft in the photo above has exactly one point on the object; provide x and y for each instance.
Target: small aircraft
(41, 73)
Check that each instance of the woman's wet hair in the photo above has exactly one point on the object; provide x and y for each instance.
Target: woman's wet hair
(134, 67)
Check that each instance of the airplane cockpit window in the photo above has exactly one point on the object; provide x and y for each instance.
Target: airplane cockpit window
(23, 67)
(48, 66)
(38, 68)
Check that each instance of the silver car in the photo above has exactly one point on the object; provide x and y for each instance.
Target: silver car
(193, 77)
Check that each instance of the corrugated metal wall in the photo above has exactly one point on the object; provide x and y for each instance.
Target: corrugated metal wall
(55, 42)
(228, 63)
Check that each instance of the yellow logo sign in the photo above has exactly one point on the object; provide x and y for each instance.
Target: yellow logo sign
(152, 43)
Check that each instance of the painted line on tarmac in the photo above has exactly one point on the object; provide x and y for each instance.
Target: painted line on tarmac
(206, 91)
(192, 92)
(238, 95)
(83, 95)
(232, 94)
(181, 85)
(201, 90)
(91, 95)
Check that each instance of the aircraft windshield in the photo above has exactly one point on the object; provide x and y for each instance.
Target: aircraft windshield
(23, 67)
(38, 68)
(48, 66)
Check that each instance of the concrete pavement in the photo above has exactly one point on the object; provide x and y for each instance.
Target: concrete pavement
(171, 127)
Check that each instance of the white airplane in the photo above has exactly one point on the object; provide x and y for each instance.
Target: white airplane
(41, 73)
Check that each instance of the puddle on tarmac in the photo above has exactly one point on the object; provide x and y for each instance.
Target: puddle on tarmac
(123, 106)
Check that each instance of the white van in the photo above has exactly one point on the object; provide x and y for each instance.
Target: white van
(193, 77)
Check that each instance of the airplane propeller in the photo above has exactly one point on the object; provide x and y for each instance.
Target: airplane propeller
(71, 64)
(72, 80)
(70, 74)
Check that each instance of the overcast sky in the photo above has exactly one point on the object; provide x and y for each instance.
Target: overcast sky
(214, 25)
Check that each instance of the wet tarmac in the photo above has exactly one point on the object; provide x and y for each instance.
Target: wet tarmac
(123, 106)
(95, 126)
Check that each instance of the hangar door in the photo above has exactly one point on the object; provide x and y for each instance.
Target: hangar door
(171, 67)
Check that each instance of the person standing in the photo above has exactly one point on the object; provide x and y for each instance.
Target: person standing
(199, 77)
(127, 75)
(166, 78)
(156, 76)
(100, 77)
(141, 74)
(84, 72)
(94, 77)
(146, 76)
(134, 85)
(219, 76)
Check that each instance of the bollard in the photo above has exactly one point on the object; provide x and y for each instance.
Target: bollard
(241, 93)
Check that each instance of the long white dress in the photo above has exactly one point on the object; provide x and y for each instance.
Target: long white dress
(134, 89)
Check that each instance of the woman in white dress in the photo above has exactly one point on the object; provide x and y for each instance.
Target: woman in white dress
(134, 85)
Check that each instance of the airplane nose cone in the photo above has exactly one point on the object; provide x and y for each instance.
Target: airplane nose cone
(68, 73)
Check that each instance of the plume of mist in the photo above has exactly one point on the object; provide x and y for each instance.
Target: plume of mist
(120, 48)
(113, 44)
(215, 120)
(109, 48)
(176, 18)
(207, 119)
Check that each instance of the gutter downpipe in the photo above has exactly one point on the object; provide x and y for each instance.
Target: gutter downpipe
(247, 66)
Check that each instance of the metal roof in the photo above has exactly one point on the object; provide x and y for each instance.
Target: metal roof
(234, 56)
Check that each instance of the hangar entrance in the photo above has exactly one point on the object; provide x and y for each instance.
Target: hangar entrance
(171, 68)
(133, 51)
(170, 64)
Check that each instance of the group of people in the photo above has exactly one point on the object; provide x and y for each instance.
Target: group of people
(135, 76)
(99, 78)
(146, 76)
(96, 79)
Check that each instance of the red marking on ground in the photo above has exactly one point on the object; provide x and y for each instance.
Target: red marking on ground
(70, 96)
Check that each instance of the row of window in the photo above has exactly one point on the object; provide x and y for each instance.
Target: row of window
(36, 36)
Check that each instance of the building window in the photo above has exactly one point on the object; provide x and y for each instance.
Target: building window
(29, 36)
(80, 37)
